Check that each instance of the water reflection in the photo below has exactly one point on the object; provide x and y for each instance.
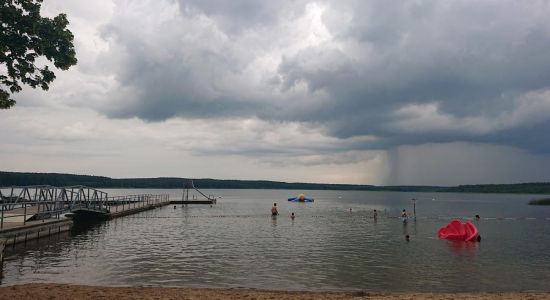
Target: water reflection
(85, 225)
(329, 248)
(464, 255)
(463, 248)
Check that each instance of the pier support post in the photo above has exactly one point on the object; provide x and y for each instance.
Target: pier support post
(2, 246)
(414, 207)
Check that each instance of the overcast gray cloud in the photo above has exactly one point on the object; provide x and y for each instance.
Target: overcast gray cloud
(310, 84)
(405, 71)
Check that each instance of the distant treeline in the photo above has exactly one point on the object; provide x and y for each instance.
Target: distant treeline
(540, 202)
(55, 179)
(517, 188)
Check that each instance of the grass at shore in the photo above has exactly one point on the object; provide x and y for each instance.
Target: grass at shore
(65, 291)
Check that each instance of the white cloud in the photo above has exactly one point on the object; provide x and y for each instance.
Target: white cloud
(529, 109)
(82, 141)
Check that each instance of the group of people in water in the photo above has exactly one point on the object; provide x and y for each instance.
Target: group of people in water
(404, 217)
(275, 212)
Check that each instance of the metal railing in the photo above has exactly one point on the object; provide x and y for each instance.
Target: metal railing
(46, 202)
(122, 203)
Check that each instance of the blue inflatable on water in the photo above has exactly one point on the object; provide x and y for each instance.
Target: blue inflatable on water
(300, 198)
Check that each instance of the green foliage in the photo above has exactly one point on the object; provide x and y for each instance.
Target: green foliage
(54, 179)
(523, 188)
(540, 202)
(25, 36)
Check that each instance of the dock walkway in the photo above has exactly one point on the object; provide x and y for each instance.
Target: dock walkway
(23, 218)
(33, 212)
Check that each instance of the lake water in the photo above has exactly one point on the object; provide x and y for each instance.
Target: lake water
(236, 243)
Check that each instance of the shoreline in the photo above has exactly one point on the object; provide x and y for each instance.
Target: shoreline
(103, 182)
(68, 291)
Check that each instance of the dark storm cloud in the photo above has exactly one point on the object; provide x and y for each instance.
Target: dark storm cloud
(409, 72)
(237, 15)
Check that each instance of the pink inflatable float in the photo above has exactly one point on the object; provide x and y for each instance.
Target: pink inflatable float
(457, 230)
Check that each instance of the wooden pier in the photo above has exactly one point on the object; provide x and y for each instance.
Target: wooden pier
(35, 230)
(193, 202)
(124, 207)
(34, 212)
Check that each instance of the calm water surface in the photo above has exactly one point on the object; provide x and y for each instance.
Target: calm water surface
(236, 243)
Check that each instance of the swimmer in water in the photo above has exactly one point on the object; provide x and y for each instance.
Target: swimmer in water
(274, 210)
(375, 213)
(292, 216)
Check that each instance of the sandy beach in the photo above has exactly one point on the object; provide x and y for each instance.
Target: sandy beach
(64, 291)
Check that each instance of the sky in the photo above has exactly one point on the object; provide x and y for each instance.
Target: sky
(405, 92)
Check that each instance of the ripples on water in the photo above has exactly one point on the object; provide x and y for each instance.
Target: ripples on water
(236, 243)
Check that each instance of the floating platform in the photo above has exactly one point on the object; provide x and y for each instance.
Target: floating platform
(34, 230)
(45, 216)
(194, 202)
(116, 212)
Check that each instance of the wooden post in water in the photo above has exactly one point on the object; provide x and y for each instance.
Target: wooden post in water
(3, 242)
(414, 208)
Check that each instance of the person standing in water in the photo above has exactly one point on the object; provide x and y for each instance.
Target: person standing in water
(292, 216)
(274, 211)
(375, 214)
(404, 216)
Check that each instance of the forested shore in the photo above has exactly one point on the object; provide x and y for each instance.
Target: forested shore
(57, 179)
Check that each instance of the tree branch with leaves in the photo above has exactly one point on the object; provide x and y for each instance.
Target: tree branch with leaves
(25, 36)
